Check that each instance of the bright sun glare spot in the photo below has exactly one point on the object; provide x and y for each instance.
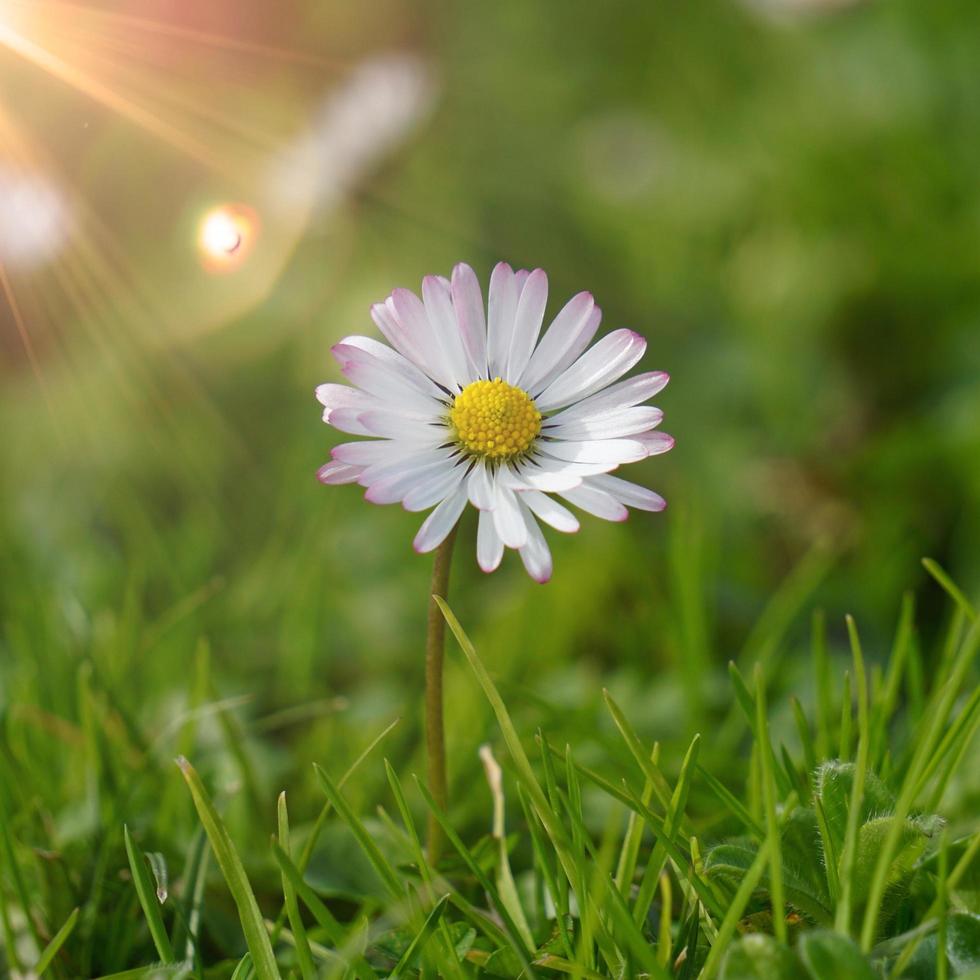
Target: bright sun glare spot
(226, 236)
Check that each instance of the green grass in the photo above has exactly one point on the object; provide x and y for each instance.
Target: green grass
(771, 859)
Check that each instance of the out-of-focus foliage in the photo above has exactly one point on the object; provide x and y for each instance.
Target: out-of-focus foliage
(782, 196)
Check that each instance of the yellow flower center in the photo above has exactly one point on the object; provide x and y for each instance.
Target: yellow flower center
(494, 419)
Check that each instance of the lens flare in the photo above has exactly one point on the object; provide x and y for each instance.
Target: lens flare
(227, 234)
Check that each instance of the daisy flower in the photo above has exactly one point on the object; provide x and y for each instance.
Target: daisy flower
(461, 406)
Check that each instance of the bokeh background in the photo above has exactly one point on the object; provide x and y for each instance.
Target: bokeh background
(781, 194)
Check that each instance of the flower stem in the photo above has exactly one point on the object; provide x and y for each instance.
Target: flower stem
(435, 734)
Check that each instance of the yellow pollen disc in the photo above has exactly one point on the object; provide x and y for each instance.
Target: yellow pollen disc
(494, 419)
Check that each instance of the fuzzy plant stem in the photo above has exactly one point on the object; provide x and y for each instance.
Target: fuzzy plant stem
(435, 732)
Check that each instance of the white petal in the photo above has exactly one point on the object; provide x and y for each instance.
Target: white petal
(623, 394)
(336, 472)
(527, 324)
(489, 547)
(399, 483)
(394, 425)
(550, 511)
(502, 306)
(480, 487)
(612, 425)
(411, 314)
(613, 451)
(543, 473)
(535, 554)
(366, 453)
(507, 517)
(569, 334)
(441, 521)
(439, 307)
(631, 494)
(388, 323)
(385, 373)
(655, 442)
(596, 502)
(602, 364)
(468, 304)
(347, 420)
(434, 488)
(332, 396)
(401, 459)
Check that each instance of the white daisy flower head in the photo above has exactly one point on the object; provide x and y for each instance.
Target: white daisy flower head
(462, 406)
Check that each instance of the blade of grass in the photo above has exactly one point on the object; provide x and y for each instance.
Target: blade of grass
(421, 938)
(769, 803)
(824, 687)
(256, 937)
(842, 918)
(324, 917)
(510, 927)
(950, 587)
(147, 893)
(304, 955)
(630, 851)
(884, 707)
(733, 915)
(57, 941)
(381, 864)
(934, 719)
(306, 854)
(846, 720)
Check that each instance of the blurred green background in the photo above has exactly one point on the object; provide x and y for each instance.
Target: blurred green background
(782, 196)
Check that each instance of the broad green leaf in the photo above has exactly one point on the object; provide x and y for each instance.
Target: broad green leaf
(760, 957)
(834, 784)
(871, 839)
(831, 956)
(256, 937)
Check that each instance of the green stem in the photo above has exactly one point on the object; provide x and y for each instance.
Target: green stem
(435, 734)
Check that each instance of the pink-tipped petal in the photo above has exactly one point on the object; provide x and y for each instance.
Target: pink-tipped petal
(596, 502)
(501, 308)
(569, 334)
(441, 521)
(626, 422)
(507, 517)
(468, 304)
(535, 554)
(489, 546)
(550, 511)
(655, 442)
(335, 473)
(527, 324)
(613, 452)
(630, 494)
(598, 367)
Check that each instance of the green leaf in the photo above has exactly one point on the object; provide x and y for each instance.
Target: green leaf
(834, 784)
(51, 950)
(760, 957)
(256, 937)
(147, 893)
(831, 956)
(871, 839)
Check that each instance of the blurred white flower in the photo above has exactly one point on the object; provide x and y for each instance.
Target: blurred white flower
(471, 407)
(34, 219)
(357, 126)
